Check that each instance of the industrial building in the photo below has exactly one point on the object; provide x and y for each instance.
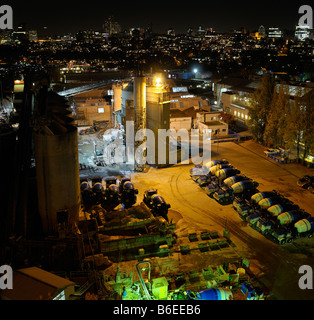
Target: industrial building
(92, 106)
(37, 284)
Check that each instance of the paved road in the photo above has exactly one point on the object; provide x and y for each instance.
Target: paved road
(199, 212)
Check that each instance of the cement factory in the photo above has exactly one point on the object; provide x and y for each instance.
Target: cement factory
(79, 220)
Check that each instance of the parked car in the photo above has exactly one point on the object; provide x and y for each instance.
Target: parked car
(272, 152)
(306, 182)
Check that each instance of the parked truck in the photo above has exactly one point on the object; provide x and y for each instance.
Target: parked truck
(160, 207)
(259, 217)
(147, 198)
(156, 203)
(208, 170)
(216, 185)
(277, 209)
(112, 197)
(128, 194)
(302, 229)
(267, 224)
(257, 197)
(199, 170)
(219, 176)
(227, 196)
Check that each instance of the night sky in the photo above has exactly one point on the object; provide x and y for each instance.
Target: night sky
(71, 16)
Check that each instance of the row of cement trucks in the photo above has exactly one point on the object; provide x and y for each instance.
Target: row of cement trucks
(222, 181)
(274, 216)
(268, 212)
(114, 192)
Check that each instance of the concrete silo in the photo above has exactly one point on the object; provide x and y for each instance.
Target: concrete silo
(57, 166)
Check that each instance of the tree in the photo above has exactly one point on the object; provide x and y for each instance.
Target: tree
(260, 107)
(308, 123)
(300, 123)
(276, 119)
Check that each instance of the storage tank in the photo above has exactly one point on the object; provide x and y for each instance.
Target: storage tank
(215, 294)
(257, 197)
(304, 225)
(242, 186)
(268, 202)
(57, 165)
(290, 216)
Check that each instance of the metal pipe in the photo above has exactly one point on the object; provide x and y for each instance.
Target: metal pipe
(141, 278)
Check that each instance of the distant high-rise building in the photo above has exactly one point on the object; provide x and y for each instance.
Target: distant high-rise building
(262, 31)
(21, 34)
(111, 27)
(32, 35)
(171, 32)
(189, 32)
(201, 31)
(302, 32)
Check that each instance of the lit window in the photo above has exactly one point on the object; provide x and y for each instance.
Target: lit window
(101, 110)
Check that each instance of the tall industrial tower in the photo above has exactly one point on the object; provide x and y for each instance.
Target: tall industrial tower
(139, 94)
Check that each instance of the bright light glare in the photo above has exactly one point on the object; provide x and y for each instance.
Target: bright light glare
(158, 82)
(195, 70)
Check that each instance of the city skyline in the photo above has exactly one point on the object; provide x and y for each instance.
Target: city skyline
(60, 17)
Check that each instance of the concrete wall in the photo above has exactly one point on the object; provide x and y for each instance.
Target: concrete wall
(181, 123)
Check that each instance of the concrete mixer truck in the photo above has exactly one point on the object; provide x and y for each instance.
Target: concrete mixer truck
(208, 169)
(227, 196)
(128, 194)
(303, 228)
(245, 204)
(156, 203)
(230, 177)
(112, 197)
(200, 170)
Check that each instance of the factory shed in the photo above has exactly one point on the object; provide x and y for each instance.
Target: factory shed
(36, 284)
(180, 120)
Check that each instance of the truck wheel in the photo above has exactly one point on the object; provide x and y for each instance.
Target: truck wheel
(310, 235)
(289, 240)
